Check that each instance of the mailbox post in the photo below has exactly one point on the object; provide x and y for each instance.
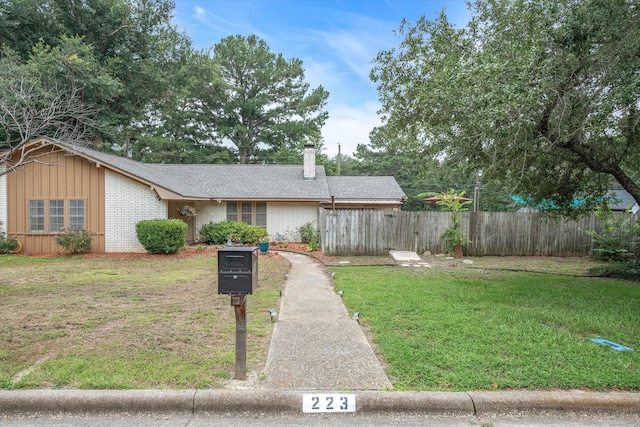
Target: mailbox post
(238, 277)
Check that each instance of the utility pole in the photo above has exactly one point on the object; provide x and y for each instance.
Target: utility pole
(339, 159)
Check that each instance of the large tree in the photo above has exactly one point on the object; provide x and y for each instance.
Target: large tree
(133, 41)
(543, 95)
(261, 98)
(54, 93)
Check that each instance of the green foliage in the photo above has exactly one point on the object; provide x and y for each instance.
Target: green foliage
(629, 270)
(126, 58)
(162, 236)
(253, 234)
(223, 231)
(452, 201)
(309, 233)
(74, 241)
(261, 97)
(40, 98)
(541, 95)
(619, 238)
(453, 237)
(7, 244)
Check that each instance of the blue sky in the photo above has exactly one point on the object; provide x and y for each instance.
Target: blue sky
(335, 39)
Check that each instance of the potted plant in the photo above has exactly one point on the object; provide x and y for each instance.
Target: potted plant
(187, 211)
(264, 244)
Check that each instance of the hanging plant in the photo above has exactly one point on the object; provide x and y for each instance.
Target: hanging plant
(187, 211)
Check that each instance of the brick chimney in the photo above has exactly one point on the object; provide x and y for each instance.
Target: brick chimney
(309, 169)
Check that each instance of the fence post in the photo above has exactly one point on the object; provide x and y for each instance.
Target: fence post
(473, 233)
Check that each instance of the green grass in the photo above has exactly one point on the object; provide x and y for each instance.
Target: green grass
(474, 329)
(76, 322)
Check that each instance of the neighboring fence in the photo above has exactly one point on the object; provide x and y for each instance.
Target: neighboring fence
(376, 232)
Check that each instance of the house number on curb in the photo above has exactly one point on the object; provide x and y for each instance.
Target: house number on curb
(328, 403)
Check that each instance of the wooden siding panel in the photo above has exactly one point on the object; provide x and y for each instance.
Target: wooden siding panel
(57, 177)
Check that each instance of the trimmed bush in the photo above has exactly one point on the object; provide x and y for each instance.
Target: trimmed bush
(221, 232)
(162, 236)
(74, 241)
(252, 234)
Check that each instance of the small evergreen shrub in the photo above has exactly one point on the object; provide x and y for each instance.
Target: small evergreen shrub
(74, 241)
(309, 234)
(253, 234)
(221, 232)
(162, 236)
(7, 244)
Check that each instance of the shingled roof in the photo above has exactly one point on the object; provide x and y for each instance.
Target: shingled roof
(256, 182)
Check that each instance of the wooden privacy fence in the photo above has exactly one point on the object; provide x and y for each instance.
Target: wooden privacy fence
(376, 232)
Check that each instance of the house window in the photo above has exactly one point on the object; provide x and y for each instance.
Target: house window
(56, 215)
(76, 214)
(36, 216)
(59, 215)
(261, 214)
(247, 212)
(253, 213)
(232, 211)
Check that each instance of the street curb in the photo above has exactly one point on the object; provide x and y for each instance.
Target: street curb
(496, 403)
(289, 401)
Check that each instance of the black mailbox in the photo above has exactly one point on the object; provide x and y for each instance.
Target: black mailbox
(237, 270)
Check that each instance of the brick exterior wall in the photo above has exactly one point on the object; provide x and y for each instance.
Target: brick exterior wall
(285, 218)
(126, 203)
(4, 218)
(210, 212)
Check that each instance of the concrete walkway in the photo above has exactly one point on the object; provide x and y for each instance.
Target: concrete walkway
(315, 342)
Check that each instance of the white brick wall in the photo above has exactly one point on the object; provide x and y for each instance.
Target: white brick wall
(3, 203)
(128, 202)
(285, 218)
(208, 212)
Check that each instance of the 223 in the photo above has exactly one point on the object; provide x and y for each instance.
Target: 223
(328, 403)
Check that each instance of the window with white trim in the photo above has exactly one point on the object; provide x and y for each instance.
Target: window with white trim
(76, 214)
(55, 214)
(36, 216)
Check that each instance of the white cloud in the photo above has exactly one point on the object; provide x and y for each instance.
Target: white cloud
(349, 126)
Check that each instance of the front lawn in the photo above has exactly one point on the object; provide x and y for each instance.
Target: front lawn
(108, 323)
(469, 328)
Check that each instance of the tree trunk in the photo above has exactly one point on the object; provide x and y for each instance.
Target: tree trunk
(245, 155)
